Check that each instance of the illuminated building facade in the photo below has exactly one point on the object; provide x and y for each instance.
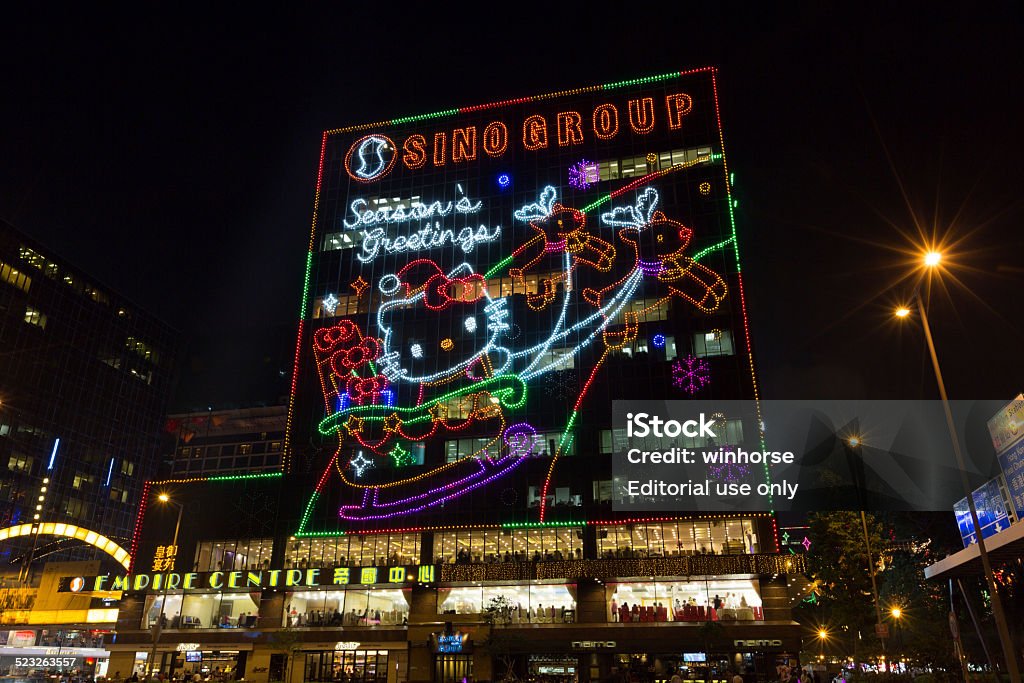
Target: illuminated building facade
(84, 380)
(481, 284)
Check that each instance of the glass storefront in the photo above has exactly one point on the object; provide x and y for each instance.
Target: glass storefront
(453, 668)
(673, 539)
(709, 600)
(347, 666)
(508, 545)
(537, 603)
(203, 610)
(363, 550)
(212, 556)
(353, 607)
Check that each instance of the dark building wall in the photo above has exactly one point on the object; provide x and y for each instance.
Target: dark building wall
(82, 364)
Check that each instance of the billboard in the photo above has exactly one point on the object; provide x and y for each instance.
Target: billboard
(474, 272)
(990, 505)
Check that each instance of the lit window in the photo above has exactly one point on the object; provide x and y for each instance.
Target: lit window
(713, 343)
(35, 317)
(19, 462)
(15, 277)
(127, 468)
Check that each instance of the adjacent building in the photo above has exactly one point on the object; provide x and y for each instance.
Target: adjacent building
(84, 379)
(481, 284)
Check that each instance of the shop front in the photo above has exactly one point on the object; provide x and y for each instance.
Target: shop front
(351, 661)
(710, 652)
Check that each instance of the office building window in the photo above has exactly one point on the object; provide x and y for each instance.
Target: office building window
(713, 343)
(15, 277)
(34, 317)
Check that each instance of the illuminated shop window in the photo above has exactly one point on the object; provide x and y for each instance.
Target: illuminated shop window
(233, 555)
(34, 317)
(363, 550)
(532, 603)
(355, 666)
(354, 606)
(201, 610)
(713, 343)
(468, 546)
(684, 601)
(674, 539)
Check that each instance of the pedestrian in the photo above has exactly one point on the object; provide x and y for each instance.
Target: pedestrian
(737, 678)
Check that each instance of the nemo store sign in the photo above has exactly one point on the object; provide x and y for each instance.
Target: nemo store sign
(242, 580)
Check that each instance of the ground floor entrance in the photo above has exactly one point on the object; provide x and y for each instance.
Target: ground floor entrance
(347, 666)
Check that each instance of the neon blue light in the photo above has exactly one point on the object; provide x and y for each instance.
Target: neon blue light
(504, 180)
(659, 341)
(110, 471)
(53, 454)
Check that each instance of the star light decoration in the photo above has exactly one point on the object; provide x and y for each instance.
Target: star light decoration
(400, 456)
(354, 424)
(331, 303)
(358, 286)
(690, 374)
(360, 464)
(583, 175)
(806, 543)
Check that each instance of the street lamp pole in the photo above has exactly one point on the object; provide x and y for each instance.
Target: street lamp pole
(874, 584)
(1009, 654)
(163, 588)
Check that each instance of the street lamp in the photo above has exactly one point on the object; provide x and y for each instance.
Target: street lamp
(931, 260)
(164, 498)
(822, 635)
(896, 613)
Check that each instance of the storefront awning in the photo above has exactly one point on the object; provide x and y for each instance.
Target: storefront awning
(1006, 545)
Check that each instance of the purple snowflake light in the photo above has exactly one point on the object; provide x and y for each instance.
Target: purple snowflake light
(730, 472)
(690, 374)
(583, 175)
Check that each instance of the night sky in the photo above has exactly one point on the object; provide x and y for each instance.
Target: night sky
(175, 159)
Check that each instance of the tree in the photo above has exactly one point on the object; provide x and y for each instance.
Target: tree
(497, 613)
(290, 640)
(839, 566)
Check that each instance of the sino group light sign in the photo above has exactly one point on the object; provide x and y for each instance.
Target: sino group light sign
(461, 259)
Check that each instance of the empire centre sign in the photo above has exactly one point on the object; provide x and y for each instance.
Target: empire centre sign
(243, 580)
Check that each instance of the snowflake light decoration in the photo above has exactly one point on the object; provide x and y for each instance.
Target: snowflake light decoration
(730, 472)
(583, 175)
(690, 374)
(560, 384)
